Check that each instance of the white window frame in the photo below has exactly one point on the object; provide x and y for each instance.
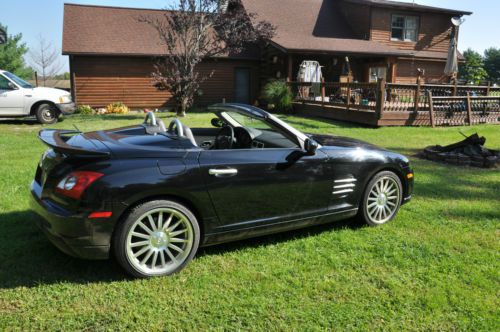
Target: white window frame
(379, 70)
(405, 28)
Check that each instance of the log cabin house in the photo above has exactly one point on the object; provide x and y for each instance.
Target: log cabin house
(111, 52)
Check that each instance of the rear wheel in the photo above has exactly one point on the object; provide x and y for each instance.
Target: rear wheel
(158, 238)
(382, 199)
(47, 114)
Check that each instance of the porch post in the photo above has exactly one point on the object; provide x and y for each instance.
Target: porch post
(290, 67)
(431, 108)
(323, 91)
(417, 94)
(469, 109)
(379, 108)
(394, 68)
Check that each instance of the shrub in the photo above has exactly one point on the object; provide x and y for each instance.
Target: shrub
(278, 94)
(85, 110)
(117, 108)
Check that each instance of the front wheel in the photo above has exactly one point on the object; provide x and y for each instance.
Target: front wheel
(47, 114)
(158, 238)
(382, 199)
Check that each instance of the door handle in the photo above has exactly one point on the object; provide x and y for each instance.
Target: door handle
(223, 172)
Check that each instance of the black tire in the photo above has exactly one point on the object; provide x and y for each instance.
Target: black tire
(47, 114)
(123, 239)
(372, 204)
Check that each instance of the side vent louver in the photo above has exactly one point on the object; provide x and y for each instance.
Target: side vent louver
(344, 186)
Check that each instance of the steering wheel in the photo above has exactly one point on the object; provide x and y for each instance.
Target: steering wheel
(225, 138)
(175, 127)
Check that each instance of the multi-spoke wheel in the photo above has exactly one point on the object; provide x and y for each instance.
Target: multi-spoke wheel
(382, 199)
(157, 238)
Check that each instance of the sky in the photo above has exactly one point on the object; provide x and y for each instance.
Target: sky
(33, 18)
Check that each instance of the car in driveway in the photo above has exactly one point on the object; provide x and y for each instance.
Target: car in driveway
(152, 194)
(19, 98)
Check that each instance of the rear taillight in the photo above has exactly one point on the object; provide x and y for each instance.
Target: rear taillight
(74, 184)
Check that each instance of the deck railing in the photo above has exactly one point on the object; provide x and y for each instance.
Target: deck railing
(460, 110)
(391, 98)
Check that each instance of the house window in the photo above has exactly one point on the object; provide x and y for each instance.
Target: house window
(404, 28)
(377, 73)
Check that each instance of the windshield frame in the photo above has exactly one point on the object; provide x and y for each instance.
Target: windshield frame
(19, 82)
(275, 123)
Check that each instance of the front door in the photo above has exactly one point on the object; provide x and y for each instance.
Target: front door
(258, 187)
(242, 85)
(11, 100)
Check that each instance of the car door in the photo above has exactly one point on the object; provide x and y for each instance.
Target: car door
(259, 187)
(11, 98)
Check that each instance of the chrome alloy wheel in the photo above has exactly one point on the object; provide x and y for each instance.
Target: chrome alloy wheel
(383, 200)
(159, 241)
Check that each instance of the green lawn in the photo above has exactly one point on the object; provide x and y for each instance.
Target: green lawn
(435, 267)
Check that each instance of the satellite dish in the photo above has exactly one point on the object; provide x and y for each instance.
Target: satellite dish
(457, 21)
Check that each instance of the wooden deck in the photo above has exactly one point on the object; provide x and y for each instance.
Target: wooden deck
(386, 104)
(392, 118)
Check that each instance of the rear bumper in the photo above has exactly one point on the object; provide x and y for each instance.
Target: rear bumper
(72, 234)
(67, 108)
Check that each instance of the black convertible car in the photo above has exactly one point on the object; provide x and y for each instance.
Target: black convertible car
(152, 194)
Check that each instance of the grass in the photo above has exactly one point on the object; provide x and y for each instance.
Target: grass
(436, 267)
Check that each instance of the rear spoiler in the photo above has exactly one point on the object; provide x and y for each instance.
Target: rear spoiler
(56, 139)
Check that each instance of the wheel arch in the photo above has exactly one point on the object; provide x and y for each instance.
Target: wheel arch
(37, 104)
(395, 170)
(188, 203)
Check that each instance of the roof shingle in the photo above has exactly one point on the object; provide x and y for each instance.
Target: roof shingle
(302, 25)
(109, 30)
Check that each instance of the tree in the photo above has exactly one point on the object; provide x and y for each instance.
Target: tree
(62, 76)
(492, 63)
(196, 30)
(279, 95)
(45, 60)
(12, 55)
(472, 69)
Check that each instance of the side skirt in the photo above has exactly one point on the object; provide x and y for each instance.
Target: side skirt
(222, 237)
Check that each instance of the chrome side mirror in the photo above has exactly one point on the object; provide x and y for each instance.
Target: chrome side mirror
(12, 86)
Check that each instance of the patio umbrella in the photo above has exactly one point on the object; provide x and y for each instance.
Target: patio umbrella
(452, 62)
(451, 68)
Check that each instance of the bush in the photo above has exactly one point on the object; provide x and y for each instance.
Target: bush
(85, 110)
(117, 108)
(278, 94)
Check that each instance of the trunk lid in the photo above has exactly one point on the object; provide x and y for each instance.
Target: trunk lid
(74, 143)
(68, 151)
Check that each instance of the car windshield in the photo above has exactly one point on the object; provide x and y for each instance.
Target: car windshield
(22, 83)
(247, 121)
(259, 126)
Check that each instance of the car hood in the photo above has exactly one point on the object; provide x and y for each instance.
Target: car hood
(49, 92)
(345, 142)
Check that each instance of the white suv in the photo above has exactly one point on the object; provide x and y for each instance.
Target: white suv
(18, 98)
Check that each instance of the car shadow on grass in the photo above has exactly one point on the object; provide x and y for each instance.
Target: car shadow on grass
(272, 239)
(28, 259)
(22, 121)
